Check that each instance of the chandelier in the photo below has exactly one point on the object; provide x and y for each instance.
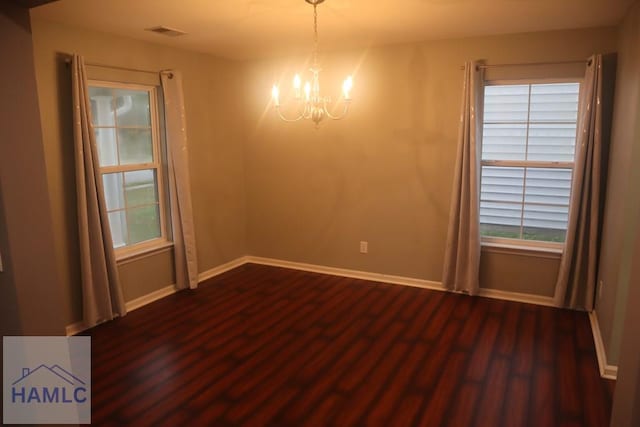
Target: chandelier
(312, 105)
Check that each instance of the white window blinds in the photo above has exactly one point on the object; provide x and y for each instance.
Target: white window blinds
(528, 148)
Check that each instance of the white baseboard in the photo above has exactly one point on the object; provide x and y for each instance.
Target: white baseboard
(343, 272)
(516, 297)
(606, 370)
(134, 304)
(399, 280)
(215, 271)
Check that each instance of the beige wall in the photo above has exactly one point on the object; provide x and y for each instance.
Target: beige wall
(30, 302)
(9, 308)
(384, 175)
(215, 134)
(521, 272)
(623, 201)
(617, 310)
(626, 403)
(147, 273)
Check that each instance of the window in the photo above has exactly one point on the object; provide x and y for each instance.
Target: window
(528, 148)
(125, 122)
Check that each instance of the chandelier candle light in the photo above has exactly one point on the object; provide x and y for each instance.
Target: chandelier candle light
(313, 106)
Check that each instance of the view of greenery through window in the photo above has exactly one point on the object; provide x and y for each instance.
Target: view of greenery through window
(529, 233)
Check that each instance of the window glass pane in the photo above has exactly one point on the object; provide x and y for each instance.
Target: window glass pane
(101, 106)
(500, 213)
(502, 231)
(140, 187)
(544, 235)
(501, 184)
(557, 102)
(113, 194)
(118, 225)
(107, 146)
(546, 223)
(501, 195)
(506, 103)
(144, 223)
(135, 146)
(504, 141)
(552, 142)
(546, 209)
(132, 107)
(548, 186)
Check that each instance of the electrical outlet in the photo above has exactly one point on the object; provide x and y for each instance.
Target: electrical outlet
(364, 247)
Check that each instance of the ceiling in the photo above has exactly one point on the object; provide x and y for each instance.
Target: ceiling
(247, 29)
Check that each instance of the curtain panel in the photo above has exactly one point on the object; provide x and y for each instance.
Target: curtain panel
(576, 284)
(102, 297)
(184, 238)
(462, 253)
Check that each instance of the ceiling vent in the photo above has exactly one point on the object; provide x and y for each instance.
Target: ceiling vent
(166, 31)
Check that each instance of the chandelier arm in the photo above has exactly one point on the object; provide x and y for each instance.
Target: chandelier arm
(297, 119)
(305, 112)
(341, 116)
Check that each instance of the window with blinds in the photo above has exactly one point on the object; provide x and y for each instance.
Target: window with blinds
(528, 148)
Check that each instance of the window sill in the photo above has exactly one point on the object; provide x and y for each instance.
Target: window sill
(133, 254)
(523, 250)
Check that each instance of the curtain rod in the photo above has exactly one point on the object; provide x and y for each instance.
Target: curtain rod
(527, 64)
(115, 67)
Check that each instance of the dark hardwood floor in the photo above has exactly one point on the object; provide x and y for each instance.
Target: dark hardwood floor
(268, 346)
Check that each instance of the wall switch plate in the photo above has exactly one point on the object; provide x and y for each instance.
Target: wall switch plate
(364, 247)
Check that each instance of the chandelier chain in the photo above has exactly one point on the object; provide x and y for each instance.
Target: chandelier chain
(315, 35)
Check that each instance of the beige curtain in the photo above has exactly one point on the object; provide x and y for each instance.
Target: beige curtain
(184, 239)
(576, 284)
(101, 292)
(462, 253)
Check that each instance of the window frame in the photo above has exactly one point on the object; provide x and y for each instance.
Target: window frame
(513, 243)
(158, 165)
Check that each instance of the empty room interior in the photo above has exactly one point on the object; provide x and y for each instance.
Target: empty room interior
(328, 212)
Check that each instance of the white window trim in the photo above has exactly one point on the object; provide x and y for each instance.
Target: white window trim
(518, 245)
(525, 81)
(530, 245)
(138, 250)
(519, 249)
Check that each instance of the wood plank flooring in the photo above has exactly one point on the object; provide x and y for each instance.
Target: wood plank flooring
(266, 346)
